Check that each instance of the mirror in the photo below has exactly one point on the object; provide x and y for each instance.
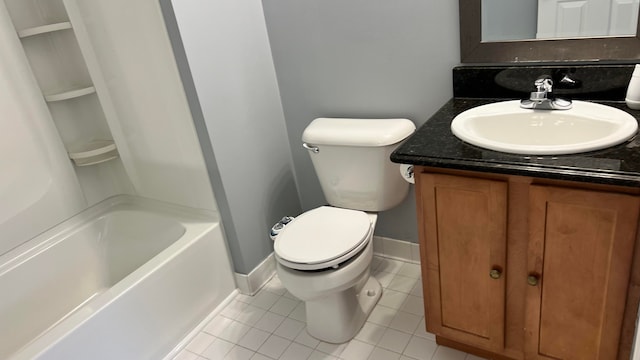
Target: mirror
(557, 19)
(488, 37)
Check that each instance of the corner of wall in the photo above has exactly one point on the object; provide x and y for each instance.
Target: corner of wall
(260, 275)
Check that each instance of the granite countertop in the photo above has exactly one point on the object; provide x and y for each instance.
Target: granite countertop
(433, 144)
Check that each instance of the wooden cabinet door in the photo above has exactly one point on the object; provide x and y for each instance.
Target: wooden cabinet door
(463, 244)
(580, 251)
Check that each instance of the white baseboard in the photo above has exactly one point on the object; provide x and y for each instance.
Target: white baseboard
(396, 249)
(250, 284)
(382, 246)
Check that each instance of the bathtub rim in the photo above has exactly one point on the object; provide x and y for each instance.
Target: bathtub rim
(79, 221)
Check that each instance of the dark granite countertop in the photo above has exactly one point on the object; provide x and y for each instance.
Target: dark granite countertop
(433, 144)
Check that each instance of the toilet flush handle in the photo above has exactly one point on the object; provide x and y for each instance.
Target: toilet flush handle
(313, 149)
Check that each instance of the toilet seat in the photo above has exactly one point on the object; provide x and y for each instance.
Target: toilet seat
(322, 238)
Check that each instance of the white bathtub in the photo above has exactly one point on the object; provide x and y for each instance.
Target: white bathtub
(125, 279)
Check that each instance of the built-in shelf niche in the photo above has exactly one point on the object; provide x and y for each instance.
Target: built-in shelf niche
(70, 94)
(59, 67)
(54, 39)
(93, 152)
(43, 29)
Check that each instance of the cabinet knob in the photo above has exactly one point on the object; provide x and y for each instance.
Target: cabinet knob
(495, 273)
(532, 280)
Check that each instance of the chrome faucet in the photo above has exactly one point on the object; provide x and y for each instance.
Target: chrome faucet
(542, 98)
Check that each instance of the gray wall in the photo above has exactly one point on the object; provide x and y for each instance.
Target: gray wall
(223, 53)
(361, 58)
(351, 58)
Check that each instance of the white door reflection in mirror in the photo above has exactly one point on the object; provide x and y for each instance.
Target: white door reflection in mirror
(586, 18)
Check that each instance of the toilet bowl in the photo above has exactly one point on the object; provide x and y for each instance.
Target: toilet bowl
(323, 257)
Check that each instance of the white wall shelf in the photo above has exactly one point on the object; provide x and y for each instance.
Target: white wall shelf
(93, 152)
(48, 36)
(44, 29)
(70, 94)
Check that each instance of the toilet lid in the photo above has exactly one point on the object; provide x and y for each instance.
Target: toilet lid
(321, 235)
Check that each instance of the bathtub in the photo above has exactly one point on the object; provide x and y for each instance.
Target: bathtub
(124, 279)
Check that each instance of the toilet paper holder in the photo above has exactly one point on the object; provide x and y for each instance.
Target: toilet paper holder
(406, 171)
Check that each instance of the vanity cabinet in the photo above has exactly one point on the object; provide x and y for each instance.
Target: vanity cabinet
(465, 228)
(580, 251)
(521, 268)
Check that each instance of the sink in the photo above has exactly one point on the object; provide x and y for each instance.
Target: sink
(505, 126)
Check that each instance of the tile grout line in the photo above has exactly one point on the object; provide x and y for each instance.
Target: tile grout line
(288, 332)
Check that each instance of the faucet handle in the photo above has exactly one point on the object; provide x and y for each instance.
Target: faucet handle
(544, 83)
(542, 98)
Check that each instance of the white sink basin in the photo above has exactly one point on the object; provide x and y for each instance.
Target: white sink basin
(506, 127)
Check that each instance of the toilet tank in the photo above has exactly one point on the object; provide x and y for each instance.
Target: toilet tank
(351, 159)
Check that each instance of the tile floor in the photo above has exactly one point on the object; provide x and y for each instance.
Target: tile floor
(271, 325)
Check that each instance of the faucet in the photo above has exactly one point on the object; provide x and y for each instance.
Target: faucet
(542, 98)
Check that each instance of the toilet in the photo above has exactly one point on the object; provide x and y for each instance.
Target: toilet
(324, 255)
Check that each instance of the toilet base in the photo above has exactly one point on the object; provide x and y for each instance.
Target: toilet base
(337, 318)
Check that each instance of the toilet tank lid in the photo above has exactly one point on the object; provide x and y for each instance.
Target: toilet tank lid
(357, 132)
